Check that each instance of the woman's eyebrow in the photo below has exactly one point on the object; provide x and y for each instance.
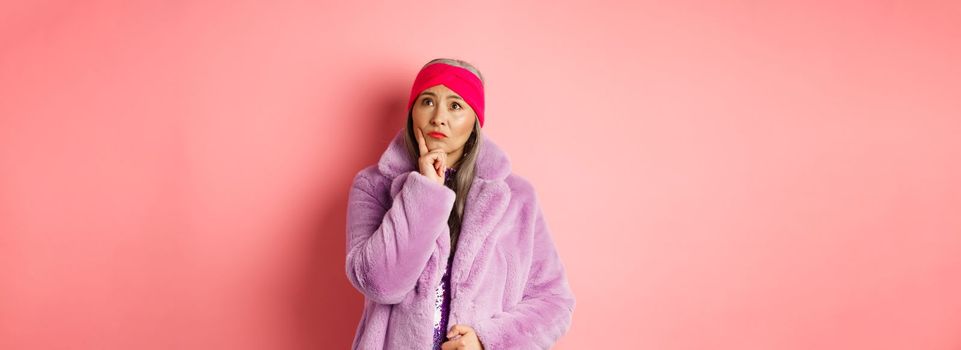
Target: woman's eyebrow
(435, 95)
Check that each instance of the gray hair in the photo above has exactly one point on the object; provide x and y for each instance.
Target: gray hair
(457, 63)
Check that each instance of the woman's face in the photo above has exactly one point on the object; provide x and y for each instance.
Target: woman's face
(440, 109)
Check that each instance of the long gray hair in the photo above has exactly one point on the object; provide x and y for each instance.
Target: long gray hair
(464, 178)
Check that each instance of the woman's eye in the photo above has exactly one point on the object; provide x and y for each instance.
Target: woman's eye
(426, 101)
(457, 105)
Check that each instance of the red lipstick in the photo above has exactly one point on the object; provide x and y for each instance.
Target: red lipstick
(436, 134)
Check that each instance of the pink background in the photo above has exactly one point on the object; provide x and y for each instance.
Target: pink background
(717, 175)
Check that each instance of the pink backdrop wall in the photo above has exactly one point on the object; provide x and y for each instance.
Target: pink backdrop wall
(717, 175)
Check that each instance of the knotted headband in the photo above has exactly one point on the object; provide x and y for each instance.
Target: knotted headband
(461, 80)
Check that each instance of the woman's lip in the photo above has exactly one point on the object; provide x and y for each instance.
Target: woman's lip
(436, 135)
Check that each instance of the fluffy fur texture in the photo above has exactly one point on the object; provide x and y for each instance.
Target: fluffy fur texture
(507, 280)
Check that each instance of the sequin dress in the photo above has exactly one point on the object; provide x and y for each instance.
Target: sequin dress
(442, 293)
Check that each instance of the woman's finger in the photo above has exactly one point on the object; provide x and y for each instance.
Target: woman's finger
(441, 161)
(458, 329)
(443, 169)
(420, 141)
(449, 345)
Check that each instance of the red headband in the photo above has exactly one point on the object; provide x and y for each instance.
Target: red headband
(461, 80)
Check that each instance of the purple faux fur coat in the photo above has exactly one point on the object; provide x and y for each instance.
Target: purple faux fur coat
(507, 280)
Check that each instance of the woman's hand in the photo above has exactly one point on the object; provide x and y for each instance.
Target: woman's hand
(462, 337)
(432, 163)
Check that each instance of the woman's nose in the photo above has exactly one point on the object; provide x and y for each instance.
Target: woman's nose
(439, 118)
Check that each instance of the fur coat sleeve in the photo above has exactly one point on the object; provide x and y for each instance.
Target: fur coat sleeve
(389, 245)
